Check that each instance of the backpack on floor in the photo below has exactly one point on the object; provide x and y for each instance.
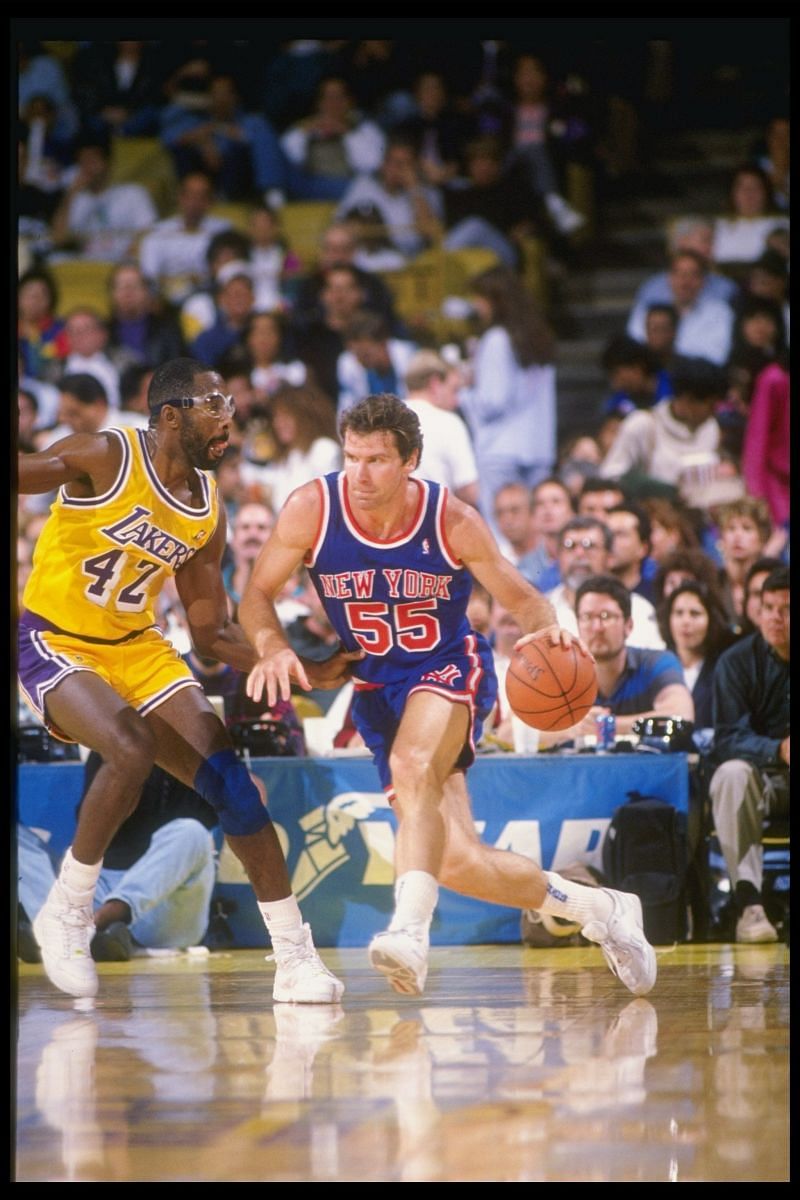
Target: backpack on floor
(645, 852)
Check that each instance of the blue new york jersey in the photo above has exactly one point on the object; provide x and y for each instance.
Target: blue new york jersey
(403, 600)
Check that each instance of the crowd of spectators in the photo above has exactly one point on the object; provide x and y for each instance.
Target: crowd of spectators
(664, 516)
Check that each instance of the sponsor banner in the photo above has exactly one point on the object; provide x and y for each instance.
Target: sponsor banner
(337, 830)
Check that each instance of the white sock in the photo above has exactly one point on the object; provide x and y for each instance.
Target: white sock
(574, 901)
(415, 897)
(282, 918)
(78, 879)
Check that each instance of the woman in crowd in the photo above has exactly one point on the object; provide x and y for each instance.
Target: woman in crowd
(671, 528)
(681, 565)
(511, 405)
(304, 431)
(744, 235)
(264, 337)
(694, 627)
(43, 342)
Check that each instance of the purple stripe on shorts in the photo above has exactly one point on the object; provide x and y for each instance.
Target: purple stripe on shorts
(40, 668)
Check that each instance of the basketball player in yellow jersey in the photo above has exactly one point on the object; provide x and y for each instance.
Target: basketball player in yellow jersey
(135, 507)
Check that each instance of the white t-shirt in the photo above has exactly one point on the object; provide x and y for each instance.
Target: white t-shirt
(323, 456)
(447, 454)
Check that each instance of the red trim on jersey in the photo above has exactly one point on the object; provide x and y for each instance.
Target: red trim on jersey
(445, 546)
(399, 538)
(322, 527)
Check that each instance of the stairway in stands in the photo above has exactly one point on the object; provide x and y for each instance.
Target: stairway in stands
(687, 173)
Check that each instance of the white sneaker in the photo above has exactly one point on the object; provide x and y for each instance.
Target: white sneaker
(64, 933)
(301, 976)
(565, 218)
(625, 948)
(755, 926)
(402, 956)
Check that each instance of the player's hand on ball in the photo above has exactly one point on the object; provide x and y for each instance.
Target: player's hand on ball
(555, 634)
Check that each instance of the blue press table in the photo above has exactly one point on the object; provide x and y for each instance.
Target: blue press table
(337, 831)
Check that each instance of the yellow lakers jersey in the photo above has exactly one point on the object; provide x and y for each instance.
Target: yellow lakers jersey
(101, 561)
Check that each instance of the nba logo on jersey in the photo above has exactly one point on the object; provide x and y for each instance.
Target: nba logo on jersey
(426, 546)
(447, 675)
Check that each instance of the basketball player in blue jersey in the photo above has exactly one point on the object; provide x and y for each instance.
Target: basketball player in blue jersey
(133, 508)
(392, 558)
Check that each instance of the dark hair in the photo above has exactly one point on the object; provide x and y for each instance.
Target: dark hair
(624, 351)
(597, 483)
(576, 524)
(311, 409)
(92, 138)
(39, 275)
(673, 516)
(606, 585)
(385, 413)
(350, 270)
(229, 239)
(777, 581)
(278, 320)
(768, 563)
(369, 326)
(719, 635)
(750, 168)
(699, 378)
(130, 381)
(174, 379)
(87, 389)
(773, 263)
(762, 566)
(636, 510)
(516, 310)
(694, 562)
(666, 310)
(552, 480)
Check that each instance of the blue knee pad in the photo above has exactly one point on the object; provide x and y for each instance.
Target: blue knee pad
(224, 782)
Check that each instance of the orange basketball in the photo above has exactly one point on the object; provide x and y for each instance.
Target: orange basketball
(550, 687)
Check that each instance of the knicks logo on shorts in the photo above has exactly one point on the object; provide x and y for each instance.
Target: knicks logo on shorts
(447, 675)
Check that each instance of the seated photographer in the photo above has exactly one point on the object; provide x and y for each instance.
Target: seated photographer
(157, 878)
(633, 682)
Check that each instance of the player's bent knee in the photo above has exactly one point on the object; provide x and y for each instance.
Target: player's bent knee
(131, 750)
(226, 784)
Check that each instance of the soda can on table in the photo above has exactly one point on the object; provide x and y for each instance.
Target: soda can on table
(606, 724)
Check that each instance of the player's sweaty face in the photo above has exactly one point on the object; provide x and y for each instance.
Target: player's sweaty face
(373, 466)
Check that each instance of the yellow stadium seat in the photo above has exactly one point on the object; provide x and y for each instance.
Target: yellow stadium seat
(82, 282)
(302, 223)
(235, 211)
(144, 160)
(580, 194)
(534, 269)
(418, 289)
(461, 267)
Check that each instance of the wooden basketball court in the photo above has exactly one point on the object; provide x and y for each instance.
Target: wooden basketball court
(517, 1066)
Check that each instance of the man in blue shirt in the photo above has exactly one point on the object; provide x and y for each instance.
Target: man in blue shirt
(751, 719)
(633, 682)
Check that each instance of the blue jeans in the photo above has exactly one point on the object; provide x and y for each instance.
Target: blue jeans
(475, 231)
(168, 889)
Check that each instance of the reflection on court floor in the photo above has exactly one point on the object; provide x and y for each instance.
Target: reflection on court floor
(518, 1065)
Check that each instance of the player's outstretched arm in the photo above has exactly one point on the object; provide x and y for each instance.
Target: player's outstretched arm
(283, 552)
(202, 594)
(88, 461)
(472, 541)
